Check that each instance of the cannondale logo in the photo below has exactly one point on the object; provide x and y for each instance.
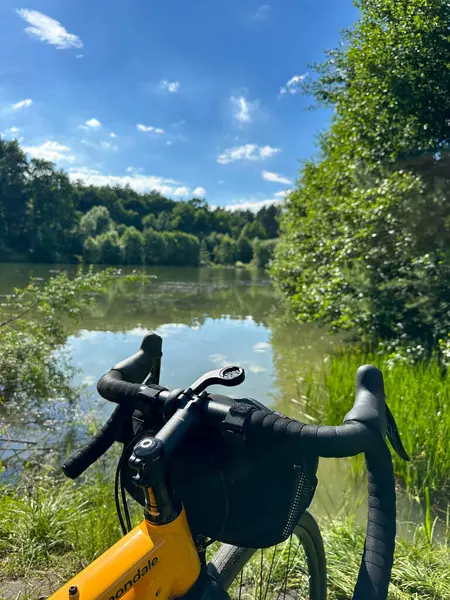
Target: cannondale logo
(140, 572)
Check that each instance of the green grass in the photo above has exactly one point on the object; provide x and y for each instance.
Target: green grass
(50, 529)
(419, 398)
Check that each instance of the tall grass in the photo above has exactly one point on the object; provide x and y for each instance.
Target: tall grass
(419, 398)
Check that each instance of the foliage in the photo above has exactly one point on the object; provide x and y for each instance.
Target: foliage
(33, 333)
(155, 247)
(132, 242)
(365, 236)
(418, 395)
(45, 217)
(263, 252)
(227, 250)
(181, 248)
(244, 249)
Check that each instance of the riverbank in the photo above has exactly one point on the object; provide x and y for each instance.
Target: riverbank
(50, 529)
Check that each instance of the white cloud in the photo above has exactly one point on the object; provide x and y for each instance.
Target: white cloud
(49, 30)
(199, 192)
(170, 86)
(247, 152)
(283, 194)
(91, 124)
(50, 151)
(254, 203)
(149, 128)
(293, 85)
(79, 55)
(275, 178)
(137, 180)
(112, 134)
(169, 143)
(242, 109)
(22, 104)
(181, 191)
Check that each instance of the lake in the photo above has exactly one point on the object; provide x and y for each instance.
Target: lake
(207, 318)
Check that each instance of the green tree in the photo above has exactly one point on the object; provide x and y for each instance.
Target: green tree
(254, 230)
(91, 250)
(13, 196)
(181, 248)
(132, 242)
(365, 236)
(51, 212)
(244, 249)
(227, 251)
(263, 252)
(111, 252)
(155, 247)
(267, 217)
(96, 221)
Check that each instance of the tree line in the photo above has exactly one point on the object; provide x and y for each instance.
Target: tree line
(45, 217)
(365, 241)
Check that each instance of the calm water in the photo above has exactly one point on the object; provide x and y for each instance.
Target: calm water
(207, 318)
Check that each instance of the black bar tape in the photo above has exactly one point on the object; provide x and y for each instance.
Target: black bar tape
(113, 387)
(376, 564)
(97, 446)
(346, 440)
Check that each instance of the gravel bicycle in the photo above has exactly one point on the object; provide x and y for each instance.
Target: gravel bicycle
(208, 468)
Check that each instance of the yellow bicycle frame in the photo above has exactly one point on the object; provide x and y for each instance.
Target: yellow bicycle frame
(152, 561)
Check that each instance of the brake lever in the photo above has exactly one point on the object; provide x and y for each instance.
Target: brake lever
(394, 435)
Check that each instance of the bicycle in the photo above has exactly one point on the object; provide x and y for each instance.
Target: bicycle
(209, 468)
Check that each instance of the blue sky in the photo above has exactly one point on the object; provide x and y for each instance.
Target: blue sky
(187, 97)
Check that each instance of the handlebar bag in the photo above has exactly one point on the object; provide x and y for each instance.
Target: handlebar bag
(232, 492)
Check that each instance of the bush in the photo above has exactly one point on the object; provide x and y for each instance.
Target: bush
(132, 242)
(155, 247)
(244, 250)
(226, 252)
(91, 250)
(110, 249)
(95, 222)
(182, 249)
(263, 252)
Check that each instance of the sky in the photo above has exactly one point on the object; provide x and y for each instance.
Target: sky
(197, 97)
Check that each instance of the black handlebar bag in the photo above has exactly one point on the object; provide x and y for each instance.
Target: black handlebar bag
(232, 492)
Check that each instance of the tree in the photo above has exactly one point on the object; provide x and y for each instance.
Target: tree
(111, 252)
(268, 219)
(51, 211)
(181, 249)
(155, 247)
(244, 250)
(132, 242)
(226, 253)
(91, 250)
(365, 236)
(254, 230)
(13, 196)
(96, 221)
(263, 252)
